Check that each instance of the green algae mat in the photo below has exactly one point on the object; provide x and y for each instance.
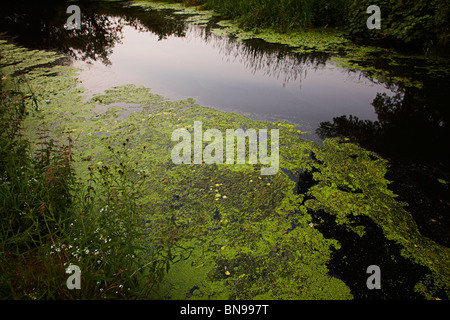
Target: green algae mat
(234, 233)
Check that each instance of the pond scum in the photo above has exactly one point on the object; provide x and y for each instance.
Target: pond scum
(164, 231)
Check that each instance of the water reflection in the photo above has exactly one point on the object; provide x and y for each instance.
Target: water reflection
(412, 125)
(118, 45)
(412, 131)
(40, 25)
(275, 61)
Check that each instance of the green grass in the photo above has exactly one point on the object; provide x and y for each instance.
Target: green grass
(50, 218)
(281, 15)
(420, 25)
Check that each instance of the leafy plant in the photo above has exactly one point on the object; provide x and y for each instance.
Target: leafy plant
(420, 24)
(51, 218)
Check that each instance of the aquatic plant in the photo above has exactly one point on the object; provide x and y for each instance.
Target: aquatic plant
(419, 24)
(350, 183)
(50, 217)
(199, 231)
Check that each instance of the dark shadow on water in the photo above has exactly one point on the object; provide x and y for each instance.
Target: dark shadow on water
(399, 275)
(413, 133)
(40, 25)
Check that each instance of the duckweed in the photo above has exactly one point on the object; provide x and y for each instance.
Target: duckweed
(255, 226)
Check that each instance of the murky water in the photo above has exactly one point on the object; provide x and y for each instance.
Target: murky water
(178, 59)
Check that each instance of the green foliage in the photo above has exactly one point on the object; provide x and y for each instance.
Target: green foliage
(330, 13)
(281, 15)
(137, 221)
(421, 24)
(51, 217)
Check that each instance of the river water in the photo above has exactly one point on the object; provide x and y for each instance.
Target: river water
(178, 59)
(234, 76)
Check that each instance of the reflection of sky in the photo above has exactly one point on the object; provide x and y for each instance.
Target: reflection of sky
(178, 68)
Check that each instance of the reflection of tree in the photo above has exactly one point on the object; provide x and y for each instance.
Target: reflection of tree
(412, 124)
(96, 38)
(40, 25)
(272, 60)
(412, 131)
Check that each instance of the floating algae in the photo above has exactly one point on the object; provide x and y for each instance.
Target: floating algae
(253, 241)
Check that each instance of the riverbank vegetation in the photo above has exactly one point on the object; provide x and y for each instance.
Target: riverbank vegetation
(420, 25)
(49, 218)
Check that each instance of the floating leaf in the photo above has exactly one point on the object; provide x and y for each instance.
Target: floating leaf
(318, 261)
